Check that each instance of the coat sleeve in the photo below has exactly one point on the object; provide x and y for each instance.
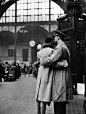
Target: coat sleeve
(53, 57)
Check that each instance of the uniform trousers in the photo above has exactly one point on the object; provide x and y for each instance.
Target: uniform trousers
(59, 107)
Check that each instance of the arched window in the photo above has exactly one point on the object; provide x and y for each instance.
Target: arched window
(32, 10)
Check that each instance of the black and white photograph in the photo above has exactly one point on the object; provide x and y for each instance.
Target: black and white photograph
(42, 56)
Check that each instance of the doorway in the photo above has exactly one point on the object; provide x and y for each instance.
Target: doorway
(25, 54)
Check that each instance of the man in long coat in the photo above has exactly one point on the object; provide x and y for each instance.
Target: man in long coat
(62, 83)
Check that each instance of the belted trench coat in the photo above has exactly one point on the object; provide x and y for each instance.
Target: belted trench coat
(62, 89)
(44, 78)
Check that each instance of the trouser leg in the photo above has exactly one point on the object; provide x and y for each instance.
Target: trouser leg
(38, 104)
(43, 107)
(59, 107)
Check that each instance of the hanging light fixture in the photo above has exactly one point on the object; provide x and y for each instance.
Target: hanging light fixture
(32, 43)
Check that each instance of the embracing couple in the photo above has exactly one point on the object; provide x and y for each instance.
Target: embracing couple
(54, 81)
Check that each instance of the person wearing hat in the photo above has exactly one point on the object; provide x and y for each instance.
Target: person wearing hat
(44, 78)
(61, 82)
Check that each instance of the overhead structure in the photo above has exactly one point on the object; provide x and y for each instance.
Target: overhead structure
(5, 4)
(63, 4)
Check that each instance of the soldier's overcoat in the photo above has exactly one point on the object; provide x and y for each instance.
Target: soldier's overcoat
(62, 82)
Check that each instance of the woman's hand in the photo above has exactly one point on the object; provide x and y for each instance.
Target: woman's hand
(63, 63)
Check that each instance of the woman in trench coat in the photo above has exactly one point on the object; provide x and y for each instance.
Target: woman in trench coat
(62, 82)
(44, 79)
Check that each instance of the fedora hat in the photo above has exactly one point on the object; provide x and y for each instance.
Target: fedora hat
(59, 33)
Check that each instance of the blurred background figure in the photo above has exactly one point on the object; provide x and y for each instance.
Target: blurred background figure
(37, 66)
(30, 69)
(6, 71)
(18, 71)
(25, 69)
(34, 70)
(1, 72)
(13, 68)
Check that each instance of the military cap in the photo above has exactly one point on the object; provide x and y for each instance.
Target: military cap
(59, 33)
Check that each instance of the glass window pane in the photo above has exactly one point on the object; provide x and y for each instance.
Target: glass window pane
(29, 6)
(32, 0)
(10, 52)
(36, 18)
(46, 11)
(29, 12)
(55, 17)
(32, 5)
(10, 19)
(40, 18)
(43, 5)
(52, 11)
(47, 5)
(40, 5)
(19, 12)
(37, 0)
(32, 17)
(7, 13)
(36, 5)
(18, 19)
(24, 1)
(40, 11)
(47, 17)
(43, 11)
(20, 6)
(25, 12)
(25, 18)
(25, 6)
(29, 18)
(3, 19)
(32, 11)
(43, 17)
(13, 6)
(52, 17)
(13, 13)
(21, 18)
(35, 12)
(13, 18)
(21, 1)
(7, 19)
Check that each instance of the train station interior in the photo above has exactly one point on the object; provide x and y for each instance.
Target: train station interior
(25, 24)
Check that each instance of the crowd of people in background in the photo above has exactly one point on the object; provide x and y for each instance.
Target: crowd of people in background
(19, 69)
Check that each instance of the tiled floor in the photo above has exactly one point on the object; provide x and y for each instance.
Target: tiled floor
(18, 98)
(74, 106)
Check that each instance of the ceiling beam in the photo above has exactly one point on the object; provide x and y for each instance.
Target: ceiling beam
(5, 5)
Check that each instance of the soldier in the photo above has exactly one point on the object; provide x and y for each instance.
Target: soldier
(62, 83)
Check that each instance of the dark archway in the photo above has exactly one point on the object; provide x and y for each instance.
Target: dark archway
(31, 32)
(35, 32)
(6, 38)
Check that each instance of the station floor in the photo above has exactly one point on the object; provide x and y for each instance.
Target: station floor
(17, 97)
